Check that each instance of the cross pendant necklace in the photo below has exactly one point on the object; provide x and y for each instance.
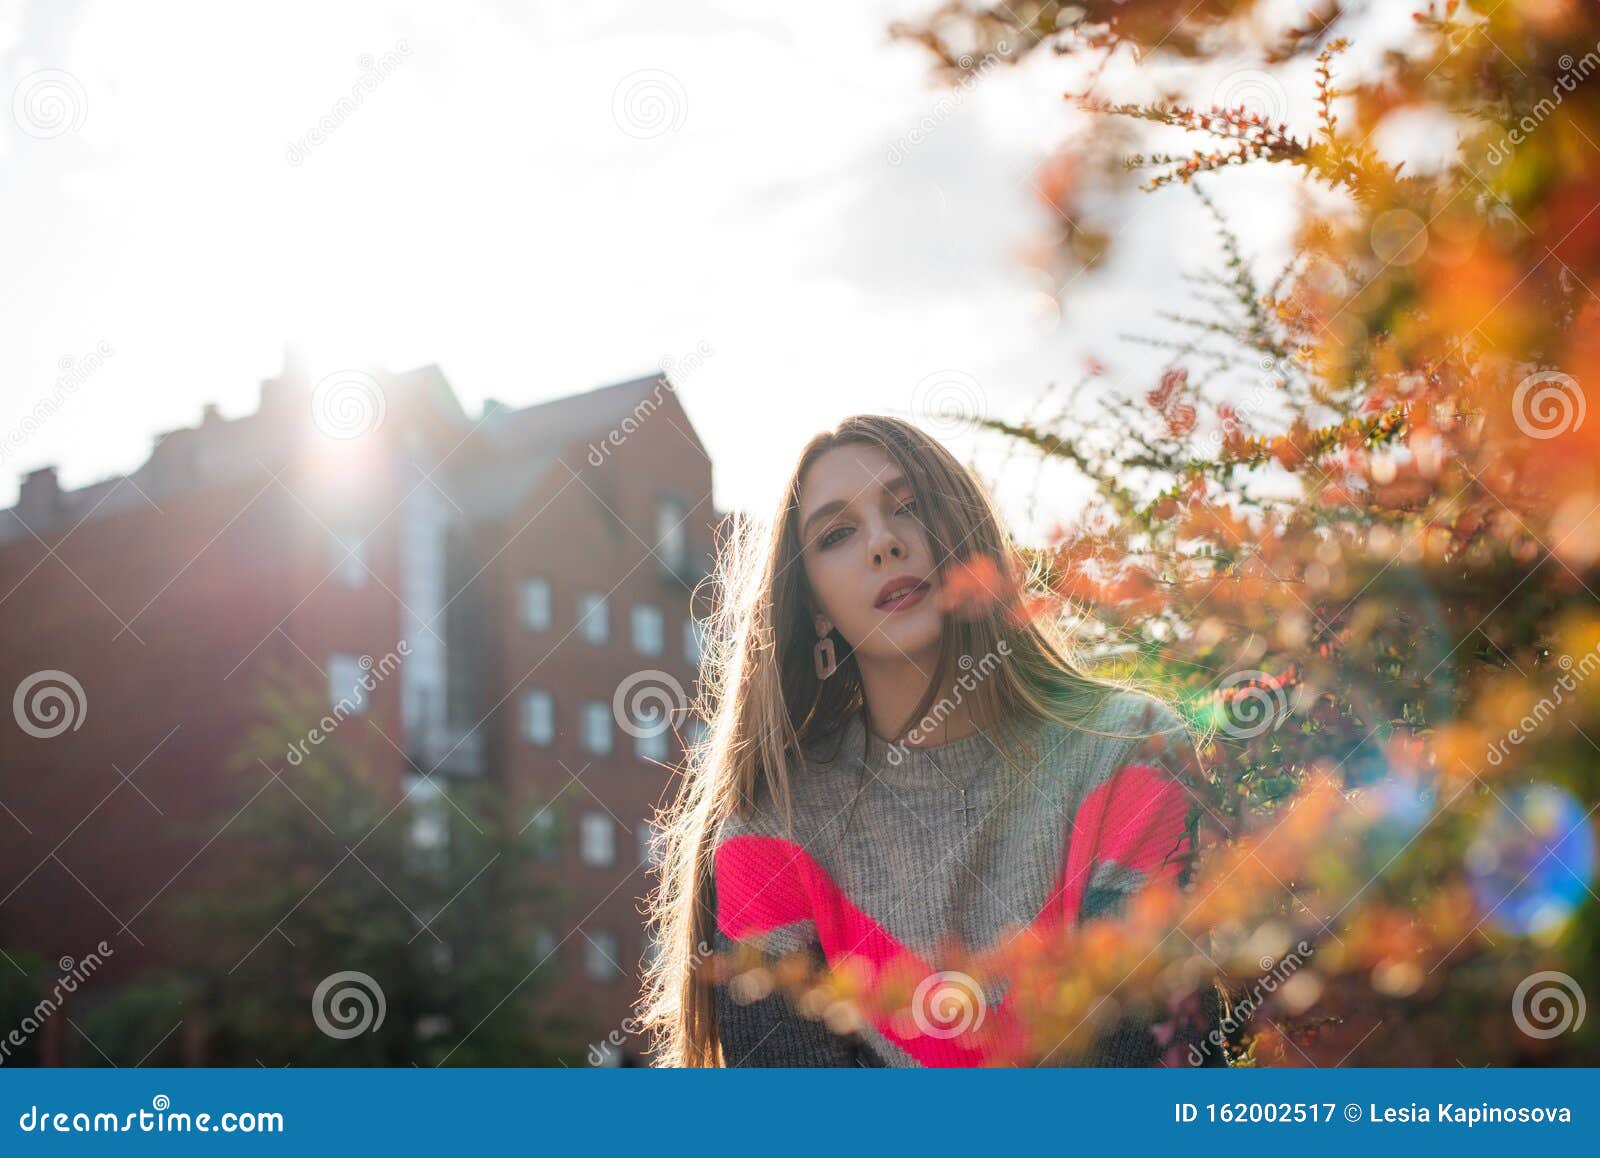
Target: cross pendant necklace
(966, 810)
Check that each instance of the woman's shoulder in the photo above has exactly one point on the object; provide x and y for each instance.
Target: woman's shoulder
(1116, 727)
(819, 782)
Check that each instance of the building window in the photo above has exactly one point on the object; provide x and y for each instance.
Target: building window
(345, 673)
(546, 834)
(596, 727)
(600, 959)
(649, 843)
(594, 617)
(693, 641)
(545, 947)
(598, 839)
(534, 601)
(348, 556)
(539, 718)
(647, 629)
(672, 535)
(694, 732)
(429, 833)
(651, 744)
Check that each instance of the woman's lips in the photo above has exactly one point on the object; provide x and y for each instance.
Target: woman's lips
(910, 599)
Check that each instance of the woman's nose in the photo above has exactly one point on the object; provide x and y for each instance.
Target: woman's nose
(887, 547)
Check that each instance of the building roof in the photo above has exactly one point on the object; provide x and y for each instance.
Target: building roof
(505, 453)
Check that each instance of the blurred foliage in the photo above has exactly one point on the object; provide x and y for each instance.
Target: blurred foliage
(427, 891)
(1353, 531)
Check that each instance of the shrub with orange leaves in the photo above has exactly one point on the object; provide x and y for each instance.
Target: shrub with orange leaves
(1354, 532)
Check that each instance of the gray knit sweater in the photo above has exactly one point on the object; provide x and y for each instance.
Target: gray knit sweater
(896, 851)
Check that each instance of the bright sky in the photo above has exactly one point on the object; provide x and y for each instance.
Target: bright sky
(543, 201)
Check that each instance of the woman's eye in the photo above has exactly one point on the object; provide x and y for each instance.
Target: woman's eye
(832, 537)
(909, 507)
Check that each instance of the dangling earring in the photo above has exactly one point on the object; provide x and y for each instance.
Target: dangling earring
(823, 656)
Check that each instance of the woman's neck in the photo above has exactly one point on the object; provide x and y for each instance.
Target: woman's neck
(893, 691)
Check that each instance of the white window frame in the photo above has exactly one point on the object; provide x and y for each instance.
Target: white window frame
(649, 837)
(534, 601)
(594, 617)
(595, 727)
(344, 682)
(651, 744)
(597, 840)
(648, 628)
(601, 948)
(672, 533)
(532, 732)
(349, 558)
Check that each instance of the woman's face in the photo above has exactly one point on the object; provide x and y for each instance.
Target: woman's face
(867, 556)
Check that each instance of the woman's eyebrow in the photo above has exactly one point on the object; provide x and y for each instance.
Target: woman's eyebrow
(833, 507)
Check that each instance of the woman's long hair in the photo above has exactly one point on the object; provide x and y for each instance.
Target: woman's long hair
(762, 700)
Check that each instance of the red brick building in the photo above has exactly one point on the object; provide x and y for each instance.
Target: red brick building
(532, 560)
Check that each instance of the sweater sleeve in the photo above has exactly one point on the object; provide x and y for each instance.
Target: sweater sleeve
(760, 914)
(1144, 823)
(769, 1031)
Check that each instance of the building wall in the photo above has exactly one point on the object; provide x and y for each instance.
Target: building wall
(590, 531)
(223, 587)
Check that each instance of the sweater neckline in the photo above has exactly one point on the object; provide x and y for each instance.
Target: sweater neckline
(952, 765)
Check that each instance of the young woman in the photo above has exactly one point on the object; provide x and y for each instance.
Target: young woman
(894, 763)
